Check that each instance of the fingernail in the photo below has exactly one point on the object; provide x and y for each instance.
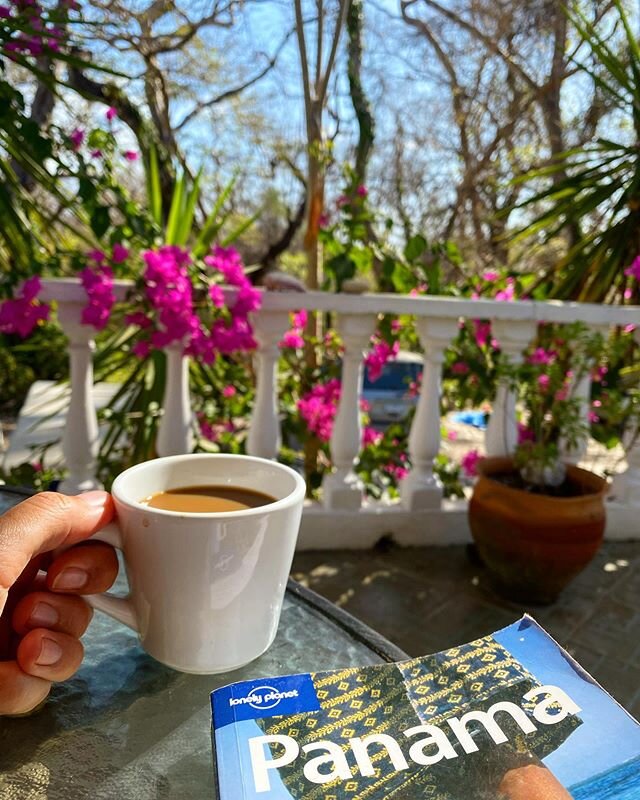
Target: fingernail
(70, 578)
(44, 616)
(50, 653)
(95, 499)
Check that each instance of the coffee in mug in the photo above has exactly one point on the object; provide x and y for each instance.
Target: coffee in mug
(207, 499)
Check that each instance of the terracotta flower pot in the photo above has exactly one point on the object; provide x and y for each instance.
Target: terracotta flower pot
(533, 544)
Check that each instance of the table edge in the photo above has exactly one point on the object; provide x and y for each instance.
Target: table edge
(377, 643)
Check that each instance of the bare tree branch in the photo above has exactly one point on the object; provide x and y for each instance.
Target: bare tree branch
(236, 90)
(342, 16)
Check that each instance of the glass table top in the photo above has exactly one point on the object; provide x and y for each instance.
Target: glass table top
(127, 727)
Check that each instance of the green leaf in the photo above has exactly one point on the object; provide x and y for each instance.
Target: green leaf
(212, 224)
(154, 192)
(100, 221)
(237, 232)
(176, 211)
(186, 223)
(415, 247)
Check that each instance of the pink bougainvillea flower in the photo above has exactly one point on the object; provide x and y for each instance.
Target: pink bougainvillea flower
(342, 201)
(414, 386)
(628, 294)
(396, 471)
(319, 406)
(96, 154)
(482, 332)
(131, 155)
(77, 138)
(292, 339)
(21, 314)
(98, 284)
(634, 270)
(630, 328)
(362, 191)
(96, 255)
(300, 318)
(543, 382)
(370, 436)
(141, 349)
(470, 462)
(490, 275)
(380, 354)
(139, 319)
(525, 434)
(508, 294)
(542, 356)
(593, 417)
(229, 391)
(419, 290)
(227, 260)
(111, 113)
(460, 368)
(5, 12)
(120, 253)
(216, 293)
(452, 435)
(324, 221)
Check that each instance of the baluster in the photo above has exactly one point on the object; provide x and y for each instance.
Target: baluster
(422, 489)
(581, 391)
(502, 432)
(175, 432)
(625, 487)
(342, 488)
(264, 438)
(80, 437)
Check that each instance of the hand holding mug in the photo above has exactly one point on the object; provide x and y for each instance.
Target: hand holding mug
(42, 616)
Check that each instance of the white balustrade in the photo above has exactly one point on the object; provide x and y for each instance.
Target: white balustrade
(421, 512)
(175, 432)
(80, 437)
(342, 489)
(264, 434)
(502, 431)
(421, 489)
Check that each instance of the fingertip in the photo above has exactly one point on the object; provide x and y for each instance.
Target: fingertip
(85, 569)
(49, 655)
(20, 693)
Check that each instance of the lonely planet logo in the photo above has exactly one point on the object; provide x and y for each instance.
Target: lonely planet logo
(290, 694)
(263, 698)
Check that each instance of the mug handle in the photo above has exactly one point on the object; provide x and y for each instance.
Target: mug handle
(120, 608)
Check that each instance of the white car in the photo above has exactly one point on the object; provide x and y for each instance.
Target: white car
(389, 397)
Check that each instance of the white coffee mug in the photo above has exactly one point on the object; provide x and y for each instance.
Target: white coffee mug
(206, 589)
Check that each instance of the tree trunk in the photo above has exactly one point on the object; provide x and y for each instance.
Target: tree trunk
(360, 101)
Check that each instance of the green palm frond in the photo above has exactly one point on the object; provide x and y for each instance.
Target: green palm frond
(594, 189)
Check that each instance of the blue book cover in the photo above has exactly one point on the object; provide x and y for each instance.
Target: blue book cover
(508, 717)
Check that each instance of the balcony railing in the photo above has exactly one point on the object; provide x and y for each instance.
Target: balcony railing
(344, 518)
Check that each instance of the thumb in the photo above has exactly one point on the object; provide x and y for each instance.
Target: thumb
(43, 522)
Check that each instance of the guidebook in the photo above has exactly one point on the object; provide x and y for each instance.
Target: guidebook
(508, 717)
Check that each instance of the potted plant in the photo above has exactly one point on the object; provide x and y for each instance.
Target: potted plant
(537, 521)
